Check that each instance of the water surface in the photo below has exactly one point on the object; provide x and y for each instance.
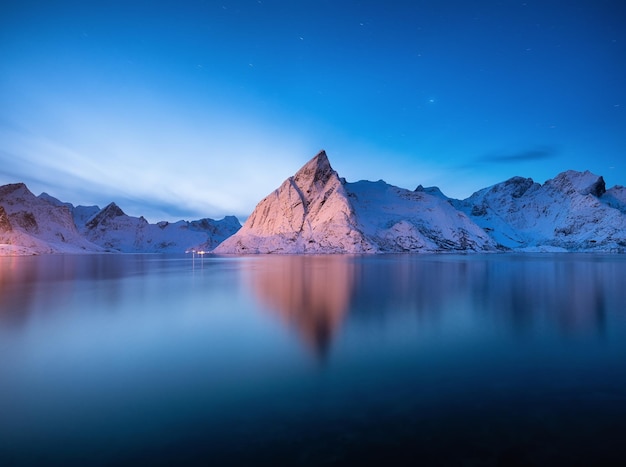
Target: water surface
(316, 360)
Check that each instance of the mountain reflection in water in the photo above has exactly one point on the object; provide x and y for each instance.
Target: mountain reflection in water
(431, 359)
(314, 294)
(310, 293)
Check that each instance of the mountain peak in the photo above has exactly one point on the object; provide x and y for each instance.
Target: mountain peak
(111, 211)
(20, 188)
(585, 183)
(315, 172)
(314, 211)
(308, 213)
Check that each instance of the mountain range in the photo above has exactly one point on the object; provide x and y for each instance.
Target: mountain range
(316, 211)
(32, 224)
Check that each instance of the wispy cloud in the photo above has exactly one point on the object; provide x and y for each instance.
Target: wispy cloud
(536, 154)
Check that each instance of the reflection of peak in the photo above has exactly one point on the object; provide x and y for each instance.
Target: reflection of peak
(310, 293)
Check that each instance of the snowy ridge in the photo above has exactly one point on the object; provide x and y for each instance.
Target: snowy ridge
(30, 225)
(42, 224)
(80, 214)
(570, 212)
(112, 229)
(308, 213)
(317, 212)
(399, 220)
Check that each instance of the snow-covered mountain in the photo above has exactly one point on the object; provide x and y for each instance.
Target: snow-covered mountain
(309, 213)
(112, 229)
(80, 214)
(32, 224)
(315, 211)
(571, 212)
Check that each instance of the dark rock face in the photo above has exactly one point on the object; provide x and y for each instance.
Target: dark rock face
(5, 223)
(10, 188)
(109, 212)
(518, 186)
(27, 221)
(598, 188)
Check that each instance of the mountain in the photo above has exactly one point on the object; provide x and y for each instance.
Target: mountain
(42, 224)
(30, 225)
(309, 213)
(80, 214)
(571, 212)
(114, 230)
(315, 211)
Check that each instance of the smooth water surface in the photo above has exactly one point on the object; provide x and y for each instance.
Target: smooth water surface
(331, 360)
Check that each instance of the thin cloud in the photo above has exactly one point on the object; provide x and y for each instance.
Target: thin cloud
(531, 155)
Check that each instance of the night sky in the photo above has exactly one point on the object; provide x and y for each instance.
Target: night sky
(188, 109)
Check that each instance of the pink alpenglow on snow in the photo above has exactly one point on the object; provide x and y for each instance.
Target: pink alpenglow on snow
(315, 211)
(42, 224)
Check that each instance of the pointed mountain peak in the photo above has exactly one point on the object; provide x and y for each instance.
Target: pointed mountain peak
(16, 189)
(316, 170)
(111, 211)
(585, 183)
(53, 201)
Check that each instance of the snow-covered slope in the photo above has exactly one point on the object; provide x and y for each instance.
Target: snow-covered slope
(309, 213)
(571, 212)
(80, 214)
(317, 212)
(30, 225)
(113, 230)
(397, 220)
(616, 198)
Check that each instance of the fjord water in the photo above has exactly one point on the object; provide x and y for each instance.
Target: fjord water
(313, 360)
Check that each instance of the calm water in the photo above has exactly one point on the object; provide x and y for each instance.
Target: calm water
(438, 360)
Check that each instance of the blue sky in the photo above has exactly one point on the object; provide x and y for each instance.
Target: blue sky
(188, 109)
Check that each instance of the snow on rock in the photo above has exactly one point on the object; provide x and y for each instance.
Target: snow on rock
(309, 213)
(31, 225)
(398, 220)
(315, 211)
(113, 230)
(616, 198)
(5, 223)
(565, 213)
(80, 214)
